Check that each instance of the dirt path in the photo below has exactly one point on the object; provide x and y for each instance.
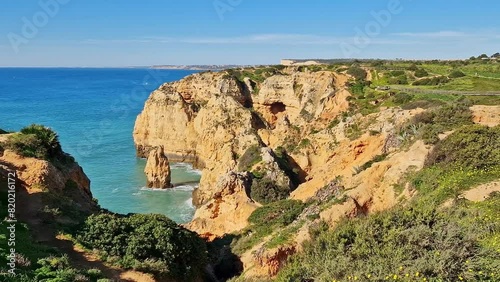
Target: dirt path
(31, 203)
(481, 192)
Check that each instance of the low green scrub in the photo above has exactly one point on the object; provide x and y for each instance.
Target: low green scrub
(421, 73)
(420, 241)
(279, 213)
(402, 98)
(284, 235)
(250, 158)
(59, 269)
(399, 80)
(266, 190)
(432, 81)
(376, 159)
(396, 73)
(456, 74)
(429, 124)
(484, 100)
(473, 146)
(470, 83)
(150, 243)
(357, 88)
(438, 183)
(357, 72)
(407, 244)
(266, 219)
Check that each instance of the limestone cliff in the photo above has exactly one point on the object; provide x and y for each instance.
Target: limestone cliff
(212, 119)
(262, 133)
(157, 169)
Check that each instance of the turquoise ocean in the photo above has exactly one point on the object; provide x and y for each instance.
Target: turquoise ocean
(93, 111)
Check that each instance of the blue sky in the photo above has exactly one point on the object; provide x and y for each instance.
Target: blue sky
(148, 32)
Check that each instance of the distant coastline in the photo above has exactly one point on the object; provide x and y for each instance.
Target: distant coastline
(198, 67)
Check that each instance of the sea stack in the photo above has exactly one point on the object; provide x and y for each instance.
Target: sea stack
(158, 169)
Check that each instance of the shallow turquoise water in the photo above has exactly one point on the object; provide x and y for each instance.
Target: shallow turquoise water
(93, 111)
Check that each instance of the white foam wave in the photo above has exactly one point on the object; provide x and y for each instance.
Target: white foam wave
(187, 167)
(189, 203)
(185, 187)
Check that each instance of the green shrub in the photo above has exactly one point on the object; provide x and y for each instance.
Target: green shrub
(421, 73)
(152, 243)
(423, 104)
(401, 80)
(473, 146)
(264, 221)
(279, 213)
(402, 98)
(432, 81)
(413, 67)
(357, 72)
(357, 88)
(376, 159)
(430, 134)
(251, 157)
(456, 74)
(453, 115)
(3, 131)
(266, 191)
(59, 269)
(447, 117)
(424, 117)
(38, 141)
(397, 73)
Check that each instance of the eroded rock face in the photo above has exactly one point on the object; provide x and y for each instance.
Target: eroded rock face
(158, 169)
(38, 175)
(229, 208)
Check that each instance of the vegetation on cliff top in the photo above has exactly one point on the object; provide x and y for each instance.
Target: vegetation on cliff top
(150, 243)
(38, 141)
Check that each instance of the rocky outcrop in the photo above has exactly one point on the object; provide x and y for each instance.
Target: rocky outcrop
(157, 169)
(39, 175)
(229, 208)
